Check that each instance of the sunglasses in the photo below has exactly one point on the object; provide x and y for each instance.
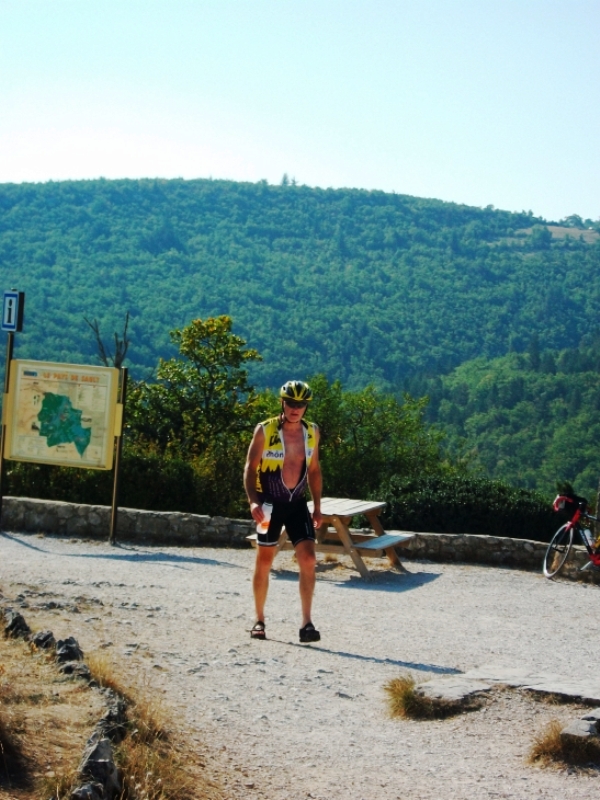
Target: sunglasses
(295, 404)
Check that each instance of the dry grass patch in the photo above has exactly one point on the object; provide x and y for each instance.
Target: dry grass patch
(152, 763)
(550, 749)
(404, 700)
(407, 701)
(45, 720)
(11, 754)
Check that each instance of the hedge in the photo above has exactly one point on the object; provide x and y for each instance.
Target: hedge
(460, 504)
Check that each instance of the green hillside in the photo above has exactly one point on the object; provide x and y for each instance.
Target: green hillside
(361, 286)
(528, 419)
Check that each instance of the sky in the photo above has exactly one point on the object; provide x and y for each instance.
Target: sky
(483, 102)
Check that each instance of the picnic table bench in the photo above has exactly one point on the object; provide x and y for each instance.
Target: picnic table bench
(335, 536)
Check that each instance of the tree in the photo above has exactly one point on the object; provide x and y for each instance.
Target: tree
(368, 436)
(533, 351)
(201, 398)
(540, 238)
(121, 344)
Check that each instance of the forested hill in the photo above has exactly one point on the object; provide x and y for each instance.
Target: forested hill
(363, 286)
(531, 419)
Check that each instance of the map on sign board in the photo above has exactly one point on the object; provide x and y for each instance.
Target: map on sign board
(61, 414)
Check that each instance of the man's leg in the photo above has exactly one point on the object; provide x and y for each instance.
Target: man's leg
(260, 581)
(307, 561)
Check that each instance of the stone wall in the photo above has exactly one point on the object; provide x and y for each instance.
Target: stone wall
(133, 525)
(173, 528)
(495, 550)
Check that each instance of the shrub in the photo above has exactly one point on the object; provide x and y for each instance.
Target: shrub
(462, 504)
(406, 700)
(148, 480)
(549, 747)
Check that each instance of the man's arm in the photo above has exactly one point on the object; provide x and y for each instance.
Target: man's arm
(315, 482)
(252, 463)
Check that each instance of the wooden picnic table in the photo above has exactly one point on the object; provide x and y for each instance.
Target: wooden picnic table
(334, 534)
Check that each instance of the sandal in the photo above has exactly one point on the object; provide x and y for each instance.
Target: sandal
(258, 631)
(309, 633)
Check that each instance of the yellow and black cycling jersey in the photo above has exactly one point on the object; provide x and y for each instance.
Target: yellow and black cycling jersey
(269, 476)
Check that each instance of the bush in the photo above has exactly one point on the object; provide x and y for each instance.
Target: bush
(462, 504)
(47, 482)
(147, 480)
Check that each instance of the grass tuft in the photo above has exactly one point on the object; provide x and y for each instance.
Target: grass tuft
(103, 672)
(404, 700)
(60, 785)
(10, 744)
(549, 748)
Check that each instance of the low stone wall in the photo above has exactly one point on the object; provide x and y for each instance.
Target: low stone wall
(174, 528)
(495, 550)
(133, 525)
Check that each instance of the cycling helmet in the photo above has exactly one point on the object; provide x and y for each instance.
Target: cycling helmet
(296, 390)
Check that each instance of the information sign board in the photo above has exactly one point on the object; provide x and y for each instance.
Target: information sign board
(61, 414)
(12, 311)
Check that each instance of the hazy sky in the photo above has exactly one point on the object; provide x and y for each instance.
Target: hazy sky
(476, 101)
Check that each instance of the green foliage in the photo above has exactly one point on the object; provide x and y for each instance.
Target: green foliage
(149, 481)
(199, 400)
(368, 435)
(172, 461)
(187, 438)
(465, 504)
(210, 484)
(530, 420)
(364, 287)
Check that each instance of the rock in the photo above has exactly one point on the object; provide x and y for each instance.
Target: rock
(68, 650)
(114, 722)
(580, 730)
(593, 715)
(15, 624)
(98, 764)
(89, 791)
(76, 668)
(453, 689)
(43, 640)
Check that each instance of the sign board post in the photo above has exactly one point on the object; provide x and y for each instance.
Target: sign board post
(118, 449)
(13, 306)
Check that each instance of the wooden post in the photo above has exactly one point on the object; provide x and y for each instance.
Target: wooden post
(118, 448)
(9, 354)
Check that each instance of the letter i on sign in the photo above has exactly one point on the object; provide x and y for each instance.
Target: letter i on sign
(10, 311)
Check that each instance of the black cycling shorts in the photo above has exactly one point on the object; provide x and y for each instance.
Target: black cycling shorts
(297, 520)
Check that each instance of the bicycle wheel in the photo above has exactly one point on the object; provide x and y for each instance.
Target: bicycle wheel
(558, 551)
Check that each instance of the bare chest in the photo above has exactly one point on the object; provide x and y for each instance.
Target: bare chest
(293, 442)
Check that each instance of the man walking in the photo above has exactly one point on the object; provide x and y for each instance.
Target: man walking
(283, 458)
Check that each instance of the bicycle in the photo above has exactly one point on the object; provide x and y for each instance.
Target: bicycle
(581, 523)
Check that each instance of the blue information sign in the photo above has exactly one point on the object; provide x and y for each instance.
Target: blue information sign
(12, 311)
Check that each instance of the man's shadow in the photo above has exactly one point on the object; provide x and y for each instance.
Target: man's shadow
(123, 552)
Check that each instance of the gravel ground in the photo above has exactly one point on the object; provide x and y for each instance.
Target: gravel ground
(286, 721)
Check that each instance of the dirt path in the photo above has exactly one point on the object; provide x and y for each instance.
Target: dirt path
(294, 722)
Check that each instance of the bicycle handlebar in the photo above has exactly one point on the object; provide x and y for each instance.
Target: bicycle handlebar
(562, 500)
